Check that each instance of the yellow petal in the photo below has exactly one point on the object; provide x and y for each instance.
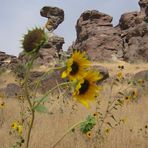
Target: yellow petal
(85, 103)
(20, 129)
(64, 74)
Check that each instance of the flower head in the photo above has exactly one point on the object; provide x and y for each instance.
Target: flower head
(2, 105)
(86, 89)
(128, 97)
(14, 125)
(89, 134)
(134, 95)
(34, 39)
(76, 66)
(95, 114)
(106, 130)
(140, 81)
(121, 66)
(17, 127)
(119, 75)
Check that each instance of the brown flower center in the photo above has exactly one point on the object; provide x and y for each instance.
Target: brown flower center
(84, 87)
(75, 68)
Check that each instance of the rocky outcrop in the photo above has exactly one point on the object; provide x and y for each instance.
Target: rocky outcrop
(134, 28)
(55, 16)
(7, 61)
(143, 5)
(97, 36)
(51, 51)
(127, 41)
(135, 43)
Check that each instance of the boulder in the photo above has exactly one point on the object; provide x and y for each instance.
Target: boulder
(130, 19)
(97, 36)
(143, 75)
(55, 16)
(48, 82)
(12, 90)
(143, 5)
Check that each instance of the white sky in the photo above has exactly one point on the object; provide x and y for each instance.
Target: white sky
(16, 16)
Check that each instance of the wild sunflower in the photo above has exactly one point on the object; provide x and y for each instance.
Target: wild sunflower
(76, 66)
(34, 39)
(89, 134)
(86, 89)
(2, 105)
(14, 125)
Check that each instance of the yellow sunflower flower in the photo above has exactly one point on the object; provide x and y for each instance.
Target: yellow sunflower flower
(76, 66)
(20, 129)
(89, 134)
(119, 75)
(2, 105)
(14, 125)
(107, 130)
(86, 89)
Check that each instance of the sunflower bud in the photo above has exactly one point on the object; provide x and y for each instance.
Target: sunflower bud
(34, 40)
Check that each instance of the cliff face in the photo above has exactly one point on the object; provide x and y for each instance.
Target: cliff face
(127, 41)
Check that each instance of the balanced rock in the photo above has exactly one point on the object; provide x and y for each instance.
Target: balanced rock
(55, 16)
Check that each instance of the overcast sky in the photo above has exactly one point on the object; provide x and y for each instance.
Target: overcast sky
(16, 16)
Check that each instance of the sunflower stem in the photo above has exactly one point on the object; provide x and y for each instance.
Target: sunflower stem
(40, 101)
(69, 130)
(43, 76)
(26, 93)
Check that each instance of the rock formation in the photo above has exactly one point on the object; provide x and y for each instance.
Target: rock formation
(7, 61)
(55, 17)
(134, 28)
(127, 41)
(97, 36)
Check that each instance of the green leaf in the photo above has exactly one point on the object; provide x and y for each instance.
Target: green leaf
(89, 123)
(41, 109)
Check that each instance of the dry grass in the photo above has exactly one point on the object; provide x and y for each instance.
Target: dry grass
(49, 128)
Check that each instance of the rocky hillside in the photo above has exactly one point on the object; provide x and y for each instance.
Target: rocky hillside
(127, 41)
